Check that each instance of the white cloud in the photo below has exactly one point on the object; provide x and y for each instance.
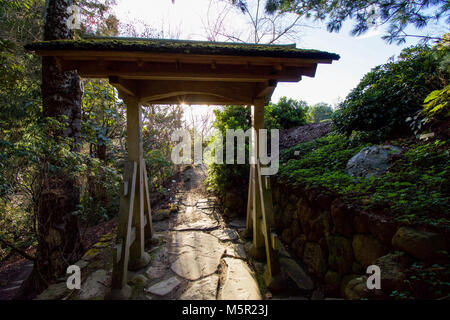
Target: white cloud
(371, 33)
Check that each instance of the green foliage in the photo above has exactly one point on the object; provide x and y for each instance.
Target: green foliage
(158, 168)
(415, 188)
(437, 103)
(287, 113)
(222, 177)
(23, 164)
(320, 162)
(100, 194)
(391, 93)
(367, 13)
(103, 117)
(424, 281)
(319, 112)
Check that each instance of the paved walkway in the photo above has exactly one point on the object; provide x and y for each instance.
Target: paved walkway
(200, 256)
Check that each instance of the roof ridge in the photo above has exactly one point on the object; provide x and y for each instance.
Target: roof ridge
(92, 37)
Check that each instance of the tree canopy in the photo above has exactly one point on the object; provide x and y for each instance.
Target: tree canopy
(398, 14)
(320, 111)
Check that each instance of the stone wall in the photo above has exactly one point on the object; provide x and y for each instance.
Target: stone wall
(336, 242)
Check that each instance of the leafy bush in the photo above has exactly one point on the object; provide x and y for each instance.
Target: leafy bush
(320, 112)
(100, 194)
(287, 113)
(391, 93)
(222, 177)
(437, 104)
(158, 169)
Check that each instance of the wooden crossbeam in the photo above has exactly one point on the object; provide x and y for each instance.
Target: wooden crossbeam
(123, 240)
(186, 71)
(273, 267)
(127, 86)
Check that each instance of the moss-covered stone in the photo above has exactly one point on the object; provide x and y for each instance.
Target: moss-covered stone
(420, 244)
(102, 244)
(298, 245)
(356, 289)
(367, 249)
(340, 254)
(314, 258)
(333, 280)
(90, 254)
(108, 237)
(342, 218)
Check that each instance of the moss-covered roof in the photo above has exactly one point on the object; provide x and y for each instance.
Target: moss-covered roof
(181, 46)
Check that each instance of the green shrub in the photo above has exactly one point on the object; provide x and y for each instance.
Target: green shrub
(158, 169)
(320, 112)
(391, 93)
(222, 177)
(287, 113)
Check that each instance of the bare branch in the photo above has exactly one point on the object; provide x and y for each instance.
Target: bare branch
(19, 251)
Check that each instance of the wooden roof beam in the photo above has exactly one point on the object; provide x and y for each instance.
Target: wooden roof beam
(128, 87)
(196, 72)
(86, 55)
(151, 90)
(265, 90)
(200, 99)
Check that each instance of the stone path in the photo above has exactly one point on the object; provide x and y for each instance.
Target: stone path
(199, 257)
(11, 286)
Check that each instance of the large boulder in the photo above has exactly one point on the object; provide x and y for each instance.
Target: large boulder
(356, 289)
(315, 223)
(371, 161)
(333, 281)
(314, 258)
(298, 245)
(342, 218)
(392, 267)
(367, 249)
(94, 287)
(420, 244)
(340, 256)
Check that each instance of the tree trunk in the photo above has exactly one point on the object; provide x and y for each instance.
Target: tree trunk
(59, 241)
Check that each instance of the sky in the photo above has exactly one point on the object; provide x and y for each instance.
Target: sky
(331, 83)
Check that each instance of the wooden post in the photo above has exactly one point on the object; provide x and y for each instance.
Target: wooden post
(135, 220)
(260, 220)
(138, 257)
(257, 250)
(250, 205)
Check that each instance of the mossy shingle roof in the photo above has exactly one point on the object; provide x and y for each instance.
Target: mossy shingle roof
(181, 46)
